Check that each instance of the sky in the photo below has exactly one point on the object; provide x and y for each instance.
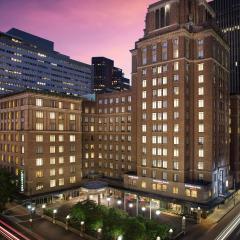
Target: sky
(81, 29)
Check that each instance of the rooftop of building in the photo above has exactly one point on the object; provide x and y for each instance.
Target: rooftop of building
(38, 44)
(53, 94)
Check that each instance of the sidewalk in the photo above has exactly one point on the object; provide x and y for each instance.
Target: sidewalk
(223, 209)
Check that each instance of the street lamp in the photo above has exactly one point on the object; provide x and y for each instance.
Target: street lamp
(54, 215)
(158, 212)
(99, 231)
(43, 207)
(130, 205)
(170, 233)
(184, 224)
(67, 220)
(82, 226)
(120, 237)
(199, 213)
(108, 200)
(119, 202)
(158, 238)
(143, 209)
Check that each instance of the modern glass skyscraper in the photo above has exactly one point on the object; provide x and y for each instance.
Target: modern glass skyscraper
(228, 18)
(30, 62)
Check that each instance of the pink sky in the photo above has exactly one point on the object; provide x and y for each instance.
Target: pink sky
(81, 28)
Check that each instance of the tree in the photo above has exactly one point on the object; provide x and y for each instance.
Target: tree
(134, 230)
(7, 187)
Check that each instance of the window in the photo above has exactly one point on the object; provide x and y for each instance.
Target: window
(52, 115)
(200, 166)
(60, 138)
(60, 127)
(200, 66)
(60, 171)
(52, 149)
(61, 181)
(164, 51)
(39, 162)
(176, 66)
(176, 165)
(164, 175)
(39, 114)
(52, 160)
(72, 117)
(201, 116)
(144, 94)
(144, 56)
(201, 153)
(201, 128)
(175, 48)
(60, 149)
(144, 83)
(72, 138)
(52, 138)
(200, 103)
(200, 49)
(39, 138)
(39, 174)
(72, 179)
(39, 126)
(52, 172)
(52, 183)
(176, 103)
(154, 53)
(175, 190)
(201, 91)
(39, 102)
(144, 184)
(72, 159)
(200, 78)
(61, 160)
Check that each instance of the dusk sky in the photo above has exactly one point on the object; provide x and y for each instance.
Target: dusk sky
(81, 28)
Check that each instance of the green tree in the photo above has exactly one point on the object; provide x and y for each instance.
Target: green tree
(7, 187)
(134, 230)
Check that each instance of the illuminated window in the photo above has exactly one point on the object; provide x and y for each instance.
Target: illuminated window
(39, 102)
(53, 183)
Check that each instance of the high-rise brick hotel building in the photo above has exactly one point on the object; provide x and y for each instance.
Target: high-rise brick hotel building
(167, 137)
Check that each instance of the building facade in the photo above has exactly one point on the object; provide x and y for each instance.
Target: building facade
(30, 62)
(109, 135)
(235, 139)
(108, 78)
(41, 135)
(228, 18)
(181, 76)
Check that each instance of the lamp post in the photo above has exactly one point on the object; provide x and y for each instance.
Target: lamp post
(82, 226)
(184, 224)
(54, 215)
(108, 200)
(30, 209)
(143, 210)
(199, 213)
(158, 238)
(158, 212)
(119, 202)
(170, 233)
(99, 233)
(67, 222)
(43, 207)
(120, 237)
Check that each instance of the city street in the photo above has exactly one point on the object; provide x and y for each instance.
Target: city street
(40, 228)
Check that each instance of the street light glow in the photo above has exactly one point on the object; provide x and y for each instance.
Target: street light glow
(108, 199)
(158, 212)
(143, 209)
(55, 211)
(119, 202)
(120, 237)
(99, 230)
(130, 205)
(68, 217)
(82, 223)
(44, 206)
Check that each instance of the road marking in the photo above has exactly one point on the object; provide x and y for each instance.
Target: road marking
(229, 229)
